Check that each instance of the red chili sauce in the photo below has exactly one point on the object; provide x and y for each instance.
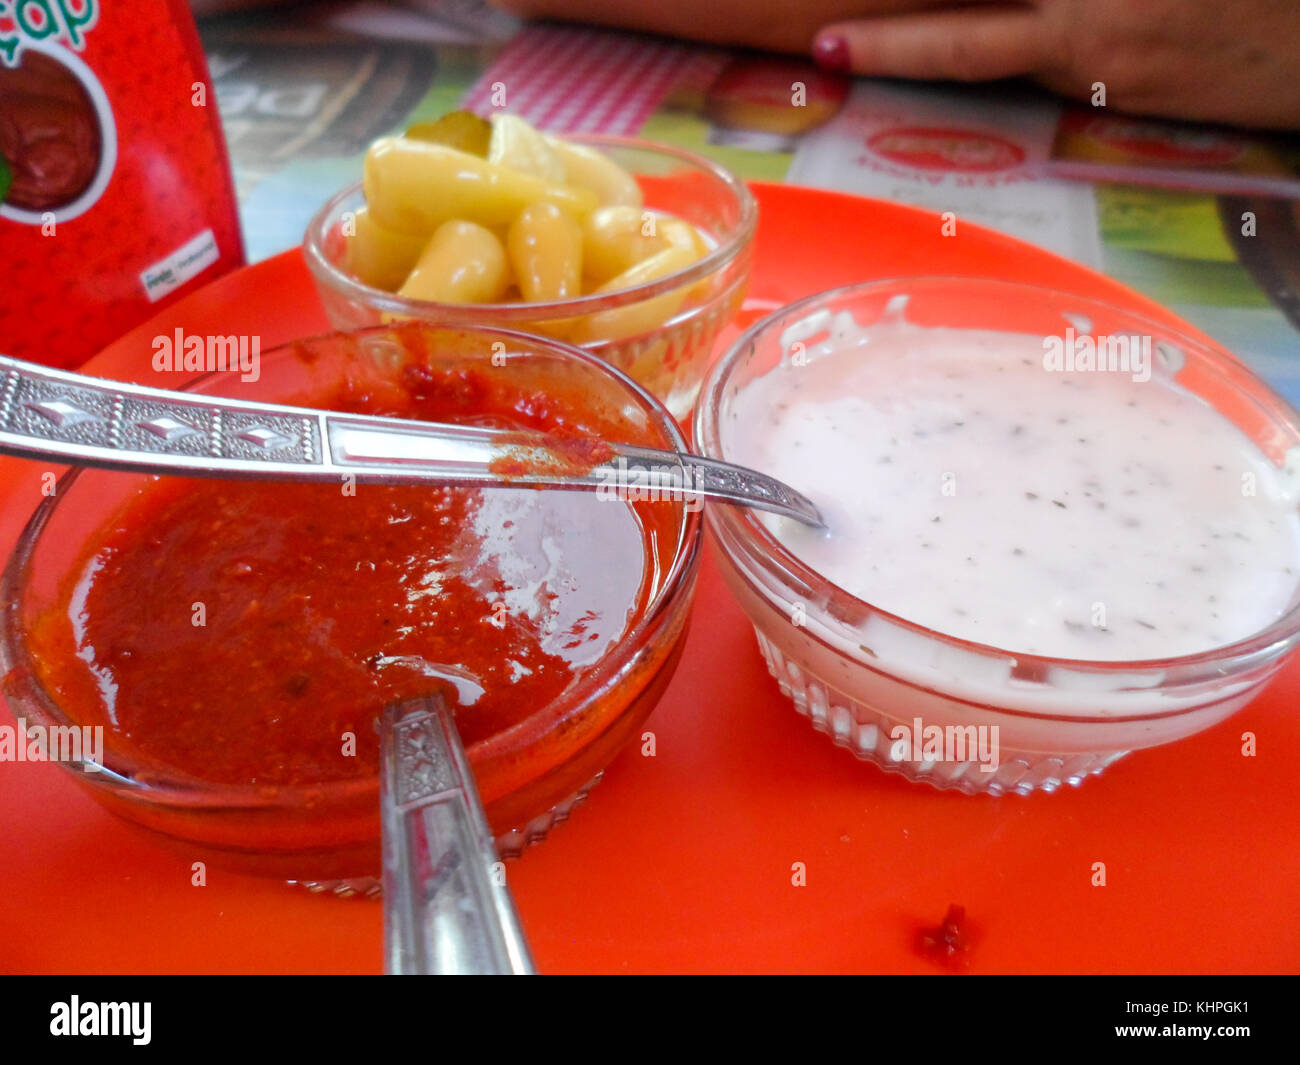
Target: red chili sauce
(560, 454)
(318, 607)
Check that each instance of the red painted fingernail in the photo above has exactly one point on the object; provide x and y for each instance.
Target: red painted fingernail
(832, 53)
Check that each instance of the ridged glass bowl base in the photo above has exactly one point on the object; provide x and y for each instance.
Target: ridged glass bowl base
(509, 845)
(866, 732)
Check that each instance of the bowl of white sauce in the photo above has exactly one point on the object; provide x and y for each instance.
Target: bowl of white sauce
(1058, 531)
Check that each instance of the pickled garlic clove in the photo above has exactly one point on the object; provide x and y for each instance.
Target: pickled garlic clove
(463, 263)
(638, 318)
(587, 168)
(415, 186)
(545, 251)
(381, 257)
(616, 239)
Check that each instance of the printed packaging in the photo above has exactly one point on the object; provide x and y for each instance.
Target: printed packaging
(115, 188)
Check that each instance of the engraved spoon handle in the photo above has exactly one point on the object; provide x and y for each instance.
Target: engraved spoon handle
(89, 421)
(445, 910)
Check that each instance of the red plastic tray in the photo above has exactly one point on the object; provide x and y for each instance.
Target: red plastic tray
(683, 861)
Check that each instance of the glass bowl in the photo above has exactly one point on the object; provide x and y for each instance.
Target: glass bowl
(858, 672)
(529, 775)
(688, 308)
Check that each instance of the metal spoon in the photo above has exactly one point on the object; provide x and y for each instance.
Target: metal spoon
(69, 417)
(445, 909)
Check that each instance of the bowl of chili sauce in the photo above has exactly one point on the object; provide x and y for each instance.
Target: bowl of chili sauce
(236, 640)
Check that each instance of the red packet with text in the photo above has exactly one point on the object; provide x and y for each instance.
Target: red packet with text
(115, 188)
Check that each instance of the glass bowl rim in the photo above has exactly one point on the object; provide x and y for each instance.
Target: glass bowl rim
(774, 557)
(718, 258)
(173, 787)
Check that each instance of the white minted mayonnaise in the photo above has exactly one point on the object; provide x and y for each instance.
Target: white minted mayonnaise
(975, 486)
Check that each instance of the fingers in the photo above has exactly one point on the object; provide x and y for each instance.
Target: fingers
(780, 25)
(975, 43)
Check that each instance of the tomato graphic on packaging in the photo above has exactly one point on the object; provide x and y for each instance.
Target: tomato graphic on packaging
(115, 189)
(1164, 143)
(946, 149)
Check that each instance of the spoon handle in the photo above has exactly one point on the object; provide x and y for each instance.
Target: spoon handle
(446, 907)
(89, 421)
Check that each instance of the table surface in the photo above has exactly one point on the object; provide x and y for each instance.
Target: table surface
(1154, 204)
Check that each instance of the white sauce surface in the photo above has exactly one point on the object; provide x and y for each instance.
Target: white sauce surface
(1082, 514)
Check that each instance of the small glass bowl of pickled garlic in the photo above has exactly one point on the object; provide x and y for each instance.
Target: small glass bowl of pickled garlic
(635, 251)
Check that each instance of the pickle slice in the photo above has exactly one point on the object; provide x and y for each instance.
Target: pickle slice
(463, 130)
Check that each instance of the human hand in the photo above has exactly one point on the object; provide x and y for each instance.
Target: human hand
(1195, 59)
(1216, 60)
